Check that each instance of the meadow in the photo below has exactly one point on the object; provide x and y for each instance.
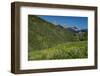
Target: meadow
(70, 50)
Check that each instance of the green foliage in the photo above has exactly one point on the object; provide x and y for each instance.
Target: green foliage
(42, 34)
(70, 50)
(47, 41)
(85, 34)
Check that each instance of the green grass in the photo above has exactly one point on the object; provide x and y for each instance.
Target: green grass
(47, 41)
(69, 50)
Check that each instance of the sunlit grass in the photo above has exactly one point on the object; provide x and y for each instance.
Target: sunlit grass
(70, 50)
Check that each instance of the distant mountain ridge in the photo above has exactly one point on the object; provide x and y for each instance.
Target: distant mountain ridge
(73, 29)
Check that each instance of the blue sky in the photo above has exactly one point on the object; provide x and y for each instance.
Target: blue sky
(80, 22)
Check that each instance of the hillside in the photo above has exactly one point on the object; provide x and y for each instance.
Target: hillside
(43, 34)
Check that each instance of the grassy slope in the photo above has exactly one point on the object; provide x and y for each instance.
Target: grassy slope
(47, 41)
(42, 34)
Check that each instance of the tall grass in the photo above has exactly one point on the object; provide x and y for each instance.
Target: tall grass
(70, 50)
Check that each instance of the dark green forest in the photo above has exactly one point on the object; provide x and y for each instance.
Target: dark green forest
(48, 41)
